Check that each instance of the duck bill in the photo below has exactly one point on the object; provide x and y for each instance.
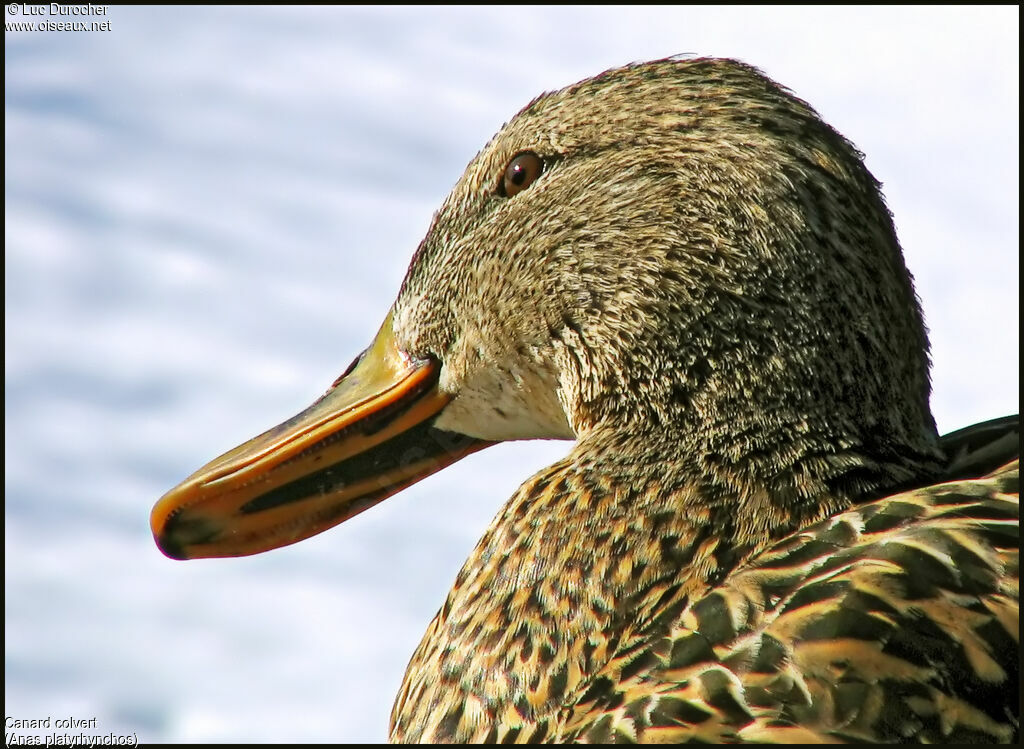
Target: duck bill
(369, 436)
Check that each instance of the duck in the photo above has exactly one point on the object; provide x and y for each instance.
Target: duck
(758, 534)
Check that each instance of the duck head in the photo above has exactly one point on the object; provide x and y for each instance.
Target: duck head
(678, 260)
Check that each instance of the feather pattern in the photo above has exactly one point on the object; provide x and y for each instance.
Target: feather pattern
(896, 619)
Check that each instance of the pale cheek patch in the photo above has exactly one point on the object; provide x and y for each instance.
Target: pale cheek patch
(494, 404)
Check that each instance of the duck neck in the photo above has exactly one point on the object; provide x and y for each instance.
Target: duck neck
(572, 559)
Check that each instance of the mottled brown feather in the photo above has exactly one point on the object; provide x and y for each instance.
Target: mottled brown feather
(861, 641)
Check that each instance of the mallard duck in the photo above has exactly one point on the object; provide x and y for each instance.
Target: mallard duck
(758, 534)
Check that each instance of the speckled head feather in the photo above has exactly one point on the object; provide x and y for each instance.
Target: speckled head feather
(703, 261)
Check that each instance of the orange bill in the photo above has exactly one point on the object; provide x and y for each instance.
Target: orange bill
(369, 436)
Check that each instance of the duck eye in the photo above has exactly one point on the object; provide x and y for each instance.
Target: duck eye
(521, 172)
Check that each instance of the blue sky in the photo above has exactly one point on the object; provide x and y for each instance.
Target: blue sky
(209, 212)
